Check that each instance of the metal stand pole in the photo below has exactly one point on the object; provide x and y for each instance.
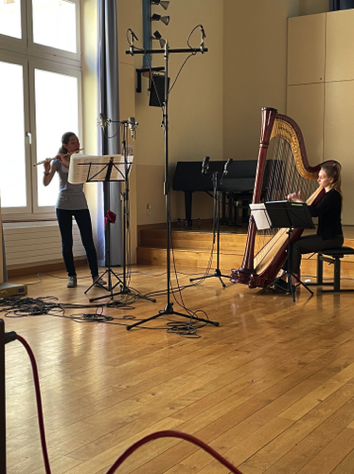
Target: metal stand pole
(168, 310)
(126, 224)
(216, 230)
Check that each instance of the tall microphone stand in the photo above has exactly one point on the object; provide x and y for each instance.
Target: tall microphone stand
(216, 231)
(168, 310)
(124, 289)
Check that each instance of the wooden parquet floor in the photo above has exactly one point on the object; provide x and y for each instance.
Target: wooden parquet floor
(271, 388)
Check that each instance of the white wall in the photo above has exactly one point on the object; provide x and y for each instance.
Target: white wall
(214, 108)
(255, 66)
(195, 106)
(321, 90)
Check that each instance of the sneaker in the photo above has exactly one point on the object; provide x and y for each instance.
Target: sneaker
(97, 281)
(72, 283)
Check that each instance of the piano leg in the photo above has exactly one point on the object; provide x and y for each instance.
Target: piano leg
(223, 208)
(188, 206)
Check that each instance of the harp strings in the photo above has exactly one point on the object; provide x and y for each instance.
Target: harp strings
(282, 177)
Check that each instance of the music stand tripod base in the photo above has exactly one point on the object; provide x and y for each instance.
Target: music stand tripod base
(124, 291)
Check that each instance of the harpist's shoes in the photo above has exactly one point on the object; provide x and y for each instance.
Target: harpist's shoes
(281, 285)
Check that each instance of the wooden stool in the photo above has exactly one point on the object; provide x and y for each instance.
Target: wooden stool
(334, 256)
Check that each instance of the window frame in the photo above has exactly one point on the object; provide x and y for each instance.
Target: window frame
(47, 52)
(11, 59)
(62, 69)
(33, 56)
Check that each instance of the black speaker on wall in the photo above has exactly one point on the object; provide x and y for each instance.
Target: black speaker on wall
(157, 90)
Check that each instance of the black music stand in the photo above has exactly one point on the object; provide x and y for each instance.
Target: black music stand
(216, 233)
(291, 215)
(104, 168)
(94, 170)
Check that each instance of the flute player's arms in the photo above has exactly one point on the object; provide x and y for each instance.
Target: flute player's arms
(49, 170)
(65, 159)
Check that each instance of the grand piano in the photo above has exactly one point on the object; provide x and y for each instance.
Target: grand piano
(236, 186)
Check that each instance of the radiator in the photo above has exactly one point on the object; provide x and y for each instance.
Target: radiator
(31, 243)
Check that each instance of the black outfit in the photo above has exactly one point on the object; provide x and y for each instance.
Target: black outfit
(329, 231)
(83, 220)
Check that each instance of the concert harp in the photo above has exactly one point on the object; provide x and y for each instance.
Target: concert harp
(282, 147)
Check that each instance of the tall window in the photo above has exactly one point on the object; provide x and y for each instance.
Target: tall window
(40, 96)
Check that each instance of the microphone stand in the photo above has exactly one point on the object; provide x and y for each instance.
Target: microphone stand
(216, 230)
(124, 290)
(168, 310)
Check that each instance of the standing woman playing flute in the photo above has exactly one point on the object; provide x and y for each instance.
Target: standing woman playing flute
(72, 203)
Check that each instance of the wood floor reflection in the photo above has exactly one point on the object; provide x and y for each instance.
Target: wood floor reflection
(271, 388)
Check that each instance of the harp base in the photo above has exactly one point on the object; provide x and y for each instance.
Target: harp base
(250, 278)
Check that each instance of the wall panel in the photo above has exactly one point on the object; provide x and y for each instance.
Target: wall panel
(340, 46)
(306, 49)
(306, 106)
(338, 133)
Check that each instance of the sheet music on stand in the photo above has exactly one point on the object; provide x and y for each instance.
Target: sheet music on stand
(281, 214)
(261, 216)
(289, 214)
(90, 168)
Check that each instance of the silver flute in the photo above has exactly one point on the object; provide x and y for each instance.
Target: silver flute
(51, 159)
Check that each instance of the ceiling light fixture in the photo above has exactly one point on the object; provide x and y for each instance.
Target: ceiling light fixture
(163, 3)
(157, 36)
(164, 19)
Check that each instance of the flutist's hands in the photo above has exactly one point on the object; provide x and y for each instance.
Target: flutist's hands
(47, 166)
(294, 197)
(49, 171)
(65, 159)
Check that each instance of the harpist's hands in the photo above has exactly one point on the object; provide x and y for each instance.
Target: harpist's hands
(294, 196)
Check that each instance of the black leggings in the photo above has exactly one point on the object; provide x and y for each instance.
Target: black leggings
(310, 244)
(83, 220)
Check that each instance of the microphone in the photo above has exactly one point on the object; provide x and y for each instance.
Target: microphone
(102, 120)
(226, 166)
(205, 164)
(134, 37)
(132, 124)
(226, 169)
(203, 35)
